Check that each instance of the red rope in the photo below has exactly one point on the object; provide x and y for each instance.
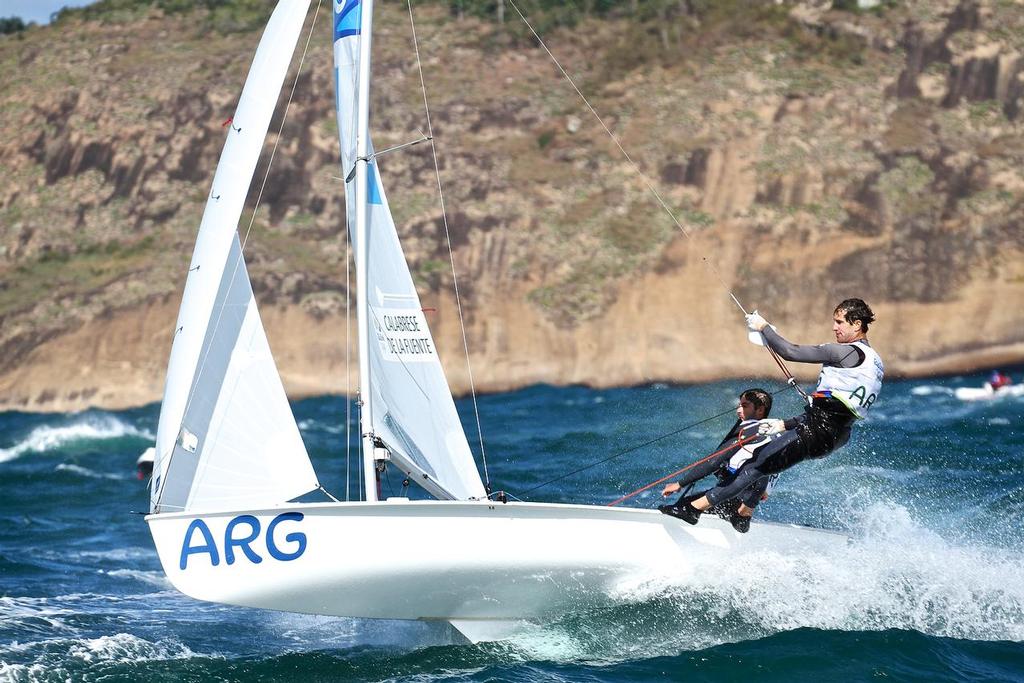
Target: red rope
(688, 467)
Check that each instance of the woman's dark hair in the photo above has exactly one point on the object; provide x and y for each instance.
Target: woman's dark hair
(856, 309)
(760, 398)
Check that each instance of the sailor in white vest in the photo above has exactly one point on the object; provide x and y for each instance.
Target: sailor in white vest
(849, 384)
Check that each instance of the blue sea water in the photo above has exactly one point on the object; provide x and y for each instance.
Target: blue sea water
(931, 589)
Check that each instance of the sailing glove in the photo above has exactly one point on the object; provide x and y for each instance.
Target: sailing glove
(770, 426)
(755, 323)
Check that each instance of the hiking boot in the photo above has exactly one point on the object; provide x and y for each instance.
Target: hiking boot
(740, 523)
(685, 512)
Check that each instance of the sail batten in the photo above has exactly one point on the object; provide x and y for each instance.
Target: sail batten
(408, 404)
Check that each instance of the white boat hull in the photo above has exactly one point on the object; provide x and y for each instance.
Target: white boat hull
(987, 393)
(456, 561)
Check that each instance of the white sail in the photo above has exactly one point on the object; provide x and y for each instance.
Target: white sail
(410, 405)
(227, 437)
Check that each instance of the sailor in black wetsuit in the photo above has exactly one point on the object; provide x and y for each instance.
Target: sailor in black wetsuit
(753, 406)
(849, 384)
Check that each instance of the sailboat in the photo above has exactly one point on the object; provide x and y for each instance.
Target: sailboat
(231, 467)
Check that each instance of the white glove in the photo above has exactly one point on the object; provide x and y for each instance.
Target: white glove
(755, 323)
(770, 426)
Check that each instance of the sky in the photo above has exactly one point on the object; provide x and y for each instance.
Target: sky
(37, 10)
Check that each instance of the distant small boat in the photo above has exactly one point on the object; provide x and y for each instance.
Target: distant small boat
(988, 393)
(144, 465)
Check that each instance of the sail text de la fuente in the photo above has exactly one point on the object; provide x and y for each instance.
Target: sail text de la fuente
(402, 335)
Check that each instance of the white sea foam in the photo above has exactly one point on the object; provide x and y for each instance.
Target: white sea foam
(86, 472)
(930, 390)
(61, 658)
(90, 427)
(900, 476)
(154, 578)
(897, 574)
(309, 425)
(15, 673)
(117, 554)
(551, 644)
(124, 647)
(42, 613)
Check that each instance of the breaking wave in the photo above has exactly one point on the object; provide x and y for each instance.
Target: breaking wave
(82, 428)
(70, 658)
(124, 647)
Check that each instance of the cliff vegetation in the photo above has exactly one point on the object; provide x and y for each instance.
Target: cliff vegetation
(811, 150)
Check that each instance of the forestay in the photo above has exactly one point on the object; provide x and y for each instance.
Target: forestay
(410, 404)
(227, 438)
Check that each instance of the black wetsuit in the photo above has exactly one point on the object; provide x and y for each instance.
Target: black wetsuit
(823, 427)
(753, 495)
(743, 430)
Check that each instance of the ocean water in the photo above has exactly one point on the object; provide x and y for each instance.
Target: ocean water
(931, 489)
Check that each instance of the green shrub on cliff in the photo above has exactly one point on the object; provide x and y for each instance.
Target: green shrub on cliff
(222, 16)
(11, 25)
(906, 188)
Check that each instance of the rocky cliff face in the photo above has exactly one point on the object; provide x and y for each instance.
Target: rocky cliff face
(830, 155)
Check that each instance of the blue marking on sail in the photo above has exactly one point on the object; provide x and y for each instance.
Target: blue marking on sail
(372, 189)
(346, 19)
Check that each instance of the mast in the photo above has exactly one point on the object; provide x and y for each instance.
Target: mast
(407, 416)
(362, 249)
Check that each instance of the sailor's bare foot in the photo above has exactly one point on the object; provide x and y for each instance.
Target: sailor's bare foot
(701, 503)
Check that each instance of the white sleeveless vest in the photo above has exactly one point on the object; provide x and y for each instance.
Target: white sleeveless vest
(858, 387)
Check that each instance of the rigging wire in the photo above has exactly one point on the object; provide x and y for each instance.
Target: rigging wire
(740, 442)
(359, 457)
(451, 254)
(790, 379)
(650, 186)
(284, 119)
(348, 364)
(252, 220)
(635, 448)
(643, 176)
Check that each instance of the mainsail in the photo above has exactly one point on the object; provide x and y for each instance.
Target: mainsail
(227, 438)
(410, 406)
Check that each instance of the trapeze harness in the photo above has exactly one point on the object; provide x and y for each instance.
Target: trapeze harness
(843, 395)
